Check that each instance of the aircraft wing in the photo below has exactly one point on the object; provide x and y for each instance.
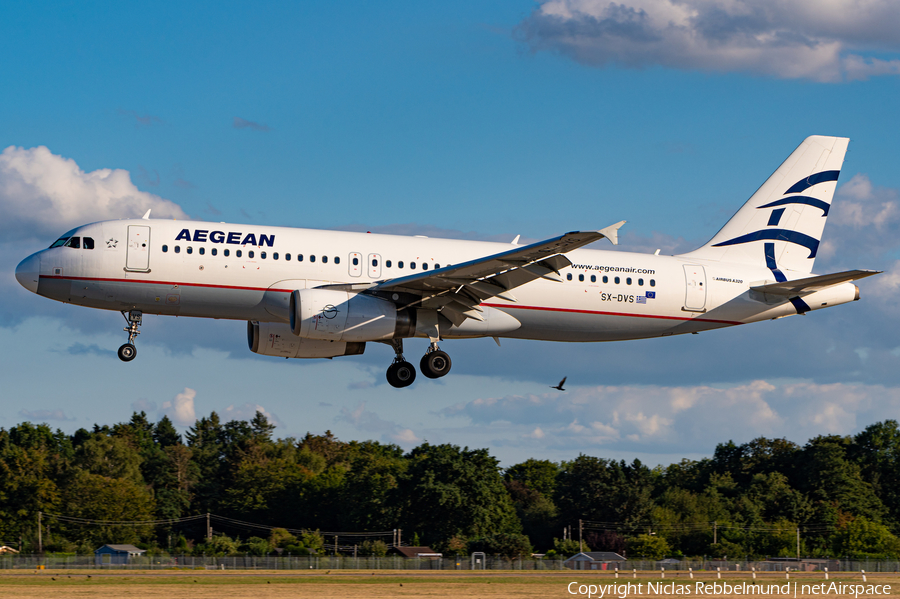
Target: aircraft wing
(455, 291)
(811, 284)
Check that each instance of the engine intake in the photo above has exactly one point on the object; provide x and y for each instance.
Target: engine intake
(332, 315)
(276, 339)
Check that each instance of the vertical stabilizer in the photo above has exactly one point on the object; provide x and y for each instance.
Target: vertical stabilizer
(780, 227)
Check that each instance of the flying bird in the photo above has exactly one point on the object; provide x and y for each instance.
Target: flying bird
(560, 385)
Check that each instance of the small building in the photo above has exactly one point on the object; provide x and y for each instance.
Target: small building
(417, 552)
(668, 562)
(594, 560)
(116, 554)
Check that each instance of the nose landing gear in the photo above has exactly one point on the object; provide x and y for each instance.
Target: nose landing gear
(401, 373)
(128, 351)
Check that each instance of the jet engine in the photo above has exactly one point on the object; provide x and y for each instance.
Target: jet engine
(276, 339)
(333, 315)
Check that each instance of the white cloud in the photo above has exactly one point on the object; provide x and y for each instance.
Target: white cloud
(45, 415)
(804, 39)
(370, 422)
(44, 194)
(863, 225)
(680, 419)
(247, 412)
(406, 437)
(181, 409)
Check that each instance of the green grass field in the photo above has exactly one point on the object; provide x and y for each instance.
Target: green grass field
(350, 584)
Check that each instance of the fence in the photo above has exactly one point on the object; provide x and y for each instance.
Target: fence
(300, 563)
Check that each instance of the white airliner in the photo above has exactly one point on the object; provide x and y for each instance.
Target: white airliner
(321, 294)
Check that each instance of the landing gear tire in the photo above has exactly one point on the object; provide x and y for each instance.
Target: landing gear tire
(435, 364)
(127, 352)
(401, 374)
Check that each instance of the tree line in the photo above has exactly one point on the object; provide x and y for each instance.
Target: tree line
(835, 496)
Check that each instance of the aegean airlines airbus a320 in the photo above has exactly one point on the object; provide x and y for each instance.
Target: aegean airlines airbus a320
(322, 294)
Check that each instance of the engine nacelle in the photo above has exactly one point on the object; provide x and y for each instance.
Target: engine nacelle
(276, 339)
(332, 315)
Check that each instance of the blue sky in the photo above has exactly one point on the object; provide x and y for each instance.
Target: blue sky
(466, 119)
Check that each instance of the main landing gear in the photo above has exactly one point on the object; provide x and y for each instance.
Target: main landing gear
(434, 364)
(128, 352)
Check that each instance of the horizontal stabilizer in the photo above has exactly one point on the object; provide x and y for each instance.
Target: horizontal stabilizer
(812, 284)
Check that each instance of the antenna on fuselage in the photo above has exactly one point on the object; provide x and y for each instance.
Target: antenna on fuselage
(146, 215)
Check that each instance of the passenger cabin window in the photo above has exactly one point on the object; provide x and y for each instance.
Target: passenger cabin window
(653, 282)
(641, 282)
(190, 250)
(275, 256)
(324, 259)
(177, 249)
(628, 281)
(88, 243)
(312, 258)
(165, 249)
(287, 257)
(214, 251)
(226, 253)
(605, 279)
(424, 266)
(262, 255)
(201, 251)
(400, 264)
(337, 260)
(569, 276)
(374, 262)
(250, 254)
(355, 261)
(388, 263)
(593, 278)
(617, 280)
(238, 253)
(412, 265)
(74, 242)
(581, 278)
(437, 266)
(299, 257)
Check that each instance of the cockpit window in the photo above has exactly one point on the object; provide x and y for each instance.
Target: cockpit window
(59, 242)
(88, 243)
(74, 242)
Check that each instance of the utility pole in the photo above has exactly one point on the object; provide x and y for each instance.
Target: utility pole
(580, 530)
(40, 541)
(798, 542)
(335, 545)
(715, 531)
(399, 537)
(208, 529)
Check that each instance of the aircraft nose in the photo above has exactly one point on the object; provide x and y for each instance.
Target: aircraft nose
(28, 271)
